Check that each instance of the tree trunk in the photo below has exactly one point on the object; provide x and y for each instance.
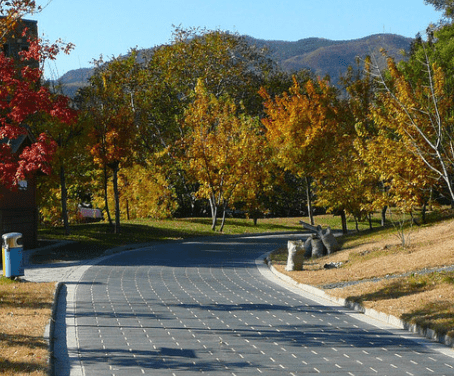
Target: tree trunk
(64, 199)
(369, 216)
(224, 208)
(344, 221)
(309, 200)
(383, 216)
(115, 168)
(423, 212)
(106, 200)
(127, 210)
(214, 212)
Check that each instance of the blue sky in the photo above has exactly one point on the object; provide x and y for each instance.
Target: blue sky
(111, 28)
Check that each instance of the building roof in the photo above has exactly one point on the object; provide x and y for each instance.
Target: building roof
(16, 143)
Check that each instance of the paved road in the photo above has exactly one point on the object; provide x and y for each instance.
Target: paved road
(206, 307)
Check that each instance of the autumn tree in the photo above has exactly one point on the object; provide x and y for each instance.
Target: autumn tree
(25, 104)
(146, 193)
(299, 126)
(110, 108)
(218, 149)
(414, 118)
(259, 173)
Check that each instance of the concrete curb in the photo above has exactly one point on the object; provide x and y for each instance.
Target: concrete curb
(389, 319)
(49, 331)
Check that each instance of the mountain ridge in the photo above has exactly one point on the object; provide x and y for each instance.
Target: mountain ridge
(320, 55)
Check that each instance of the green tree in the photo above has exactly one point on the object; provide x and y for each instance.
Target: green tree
(69, 158)
(226, 64)
(447, 6)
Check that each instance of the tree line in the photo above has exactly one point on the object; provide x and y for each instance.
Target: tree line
(209, 124)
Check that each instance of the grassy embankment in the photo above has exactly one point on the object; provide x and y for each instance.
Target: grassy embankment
(378, 272)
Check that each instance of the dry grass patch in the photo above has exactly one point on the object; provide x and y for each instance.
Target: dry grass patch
(25, 310)
(427, 300)
(432, 246)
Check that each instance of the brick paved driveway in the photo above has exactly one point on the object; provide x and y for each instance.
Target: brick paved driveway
(204, 307)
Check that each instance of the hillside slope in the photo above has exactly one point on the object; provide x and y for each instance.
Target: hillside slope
(332, 58)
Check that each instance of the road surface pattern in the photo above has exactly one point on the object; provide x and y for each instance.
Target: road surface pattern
(204, 307)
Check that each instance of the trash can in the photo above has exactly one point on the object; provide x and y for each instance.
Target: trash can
(13, 265)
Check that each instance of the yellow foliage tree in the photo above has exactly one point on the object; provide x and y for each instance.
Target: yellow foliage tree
(220, 148)
(145, 193)
(301, 125)
(413, 145)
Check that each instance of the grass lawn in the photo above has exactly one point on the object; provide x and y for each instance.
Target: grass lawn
(91, 240)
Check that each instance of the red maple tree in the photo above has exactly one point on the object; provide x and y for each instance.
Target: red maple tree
(23, 100)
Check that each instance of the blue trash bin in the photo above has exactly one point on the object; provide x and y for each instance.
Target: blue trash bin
(13, 264)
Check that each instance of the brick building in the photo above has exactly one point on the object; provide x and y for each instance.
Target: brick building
(15, 42)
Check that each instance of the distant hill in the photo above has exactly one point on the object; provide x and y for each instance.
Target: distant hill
(73, 80)
(322, 56)
(327, 57)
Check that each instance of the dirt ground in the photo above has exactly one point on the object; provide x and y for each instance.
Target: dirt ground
(429, 303)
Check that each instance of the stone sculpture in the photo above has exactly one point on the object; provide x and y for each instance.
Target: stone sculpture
(295, 257)
(320, 243)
